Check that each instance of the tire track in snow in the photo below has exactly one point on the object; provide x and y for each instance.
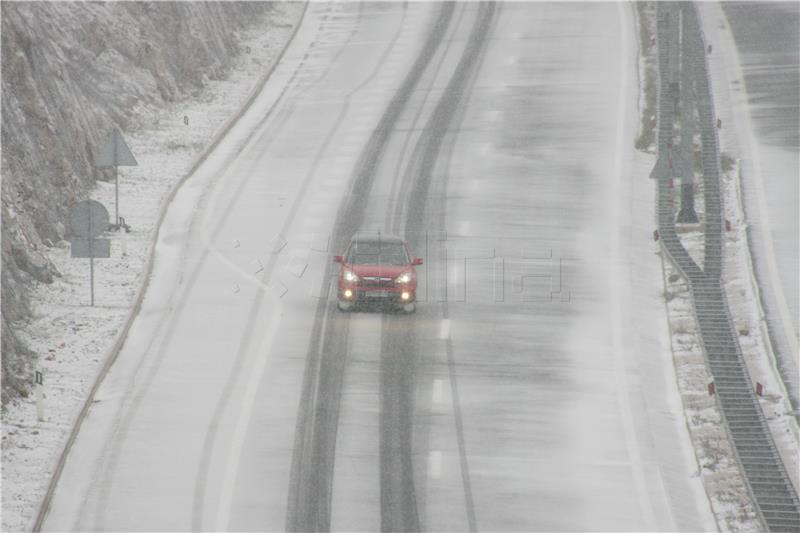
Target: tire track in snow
(394, 213)
(308, 506)
(400, 350)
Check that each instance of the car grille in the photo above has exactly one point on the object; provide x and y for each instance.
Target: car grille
(377, 282)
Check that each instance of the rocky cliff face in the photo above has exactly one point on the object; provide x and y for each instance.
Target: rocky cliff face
(71, 72)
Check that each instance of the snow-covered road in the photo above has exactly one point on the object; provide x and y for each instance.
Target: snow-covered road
(533, 389)
(770, 70)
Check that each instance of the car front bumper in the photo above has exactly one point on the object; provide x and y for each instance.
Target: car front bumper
(358, 294)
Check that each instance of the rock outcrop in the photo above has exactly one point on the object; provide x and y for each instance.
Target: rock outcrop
(71, 71)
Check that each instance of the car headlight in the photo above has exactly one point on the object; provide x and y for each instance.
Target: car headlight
(405, 277)
(349, 275)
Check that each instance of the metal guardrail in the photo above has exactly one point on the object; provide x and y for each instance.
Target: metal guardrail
(679, 35)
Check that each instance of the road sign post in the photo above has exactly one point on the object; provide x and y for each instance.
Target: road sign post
(88, 220)
(115, 153)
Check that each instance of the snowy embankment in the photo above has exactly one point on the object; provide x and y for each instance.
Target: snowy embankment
(73, 339)
(719, 472)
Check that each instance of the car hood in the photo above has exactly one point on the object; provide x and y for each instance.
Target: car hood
(382, 271)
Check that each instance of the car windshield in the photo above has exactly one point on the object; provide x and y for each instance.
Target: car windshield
(377, 253)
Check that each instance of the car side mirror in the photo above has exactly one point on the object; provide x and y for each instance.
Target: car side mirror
(417, 261)
(338, 259)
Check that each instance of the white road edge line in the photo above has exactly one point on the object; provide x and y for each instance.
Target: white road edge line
(444, 331)
(620, 375)
(435, 464)
(437, 391)
(243, 420)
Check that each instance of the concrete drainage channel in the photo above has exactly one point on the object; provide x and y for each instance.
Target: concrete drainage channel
(773, 494)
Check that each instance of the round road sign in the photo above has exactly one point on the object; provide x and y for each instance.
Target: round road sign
(88, 219)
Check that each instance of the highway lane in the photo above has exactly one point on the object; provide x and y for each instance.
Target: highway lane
(770, 68)
(377, 195)
(553, 351)
(764, 129)
(498, 139)
(511, 350)
(205, 378)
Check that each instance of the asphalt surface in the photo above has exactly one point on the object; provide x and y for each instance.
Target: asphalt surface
(531, 390)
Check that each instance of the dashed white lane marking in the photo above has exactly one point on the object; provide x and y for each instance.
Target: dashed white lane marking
(362, 119)
(343, 163)
(389, 79)
(444, 331)
(334, 181)
(437, 391)
(366, 43)
(349, 149)
(435, 464)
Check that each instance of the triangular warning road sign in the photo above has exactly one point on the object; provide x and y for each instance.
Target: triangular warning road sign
(115, 153)
(662, 168)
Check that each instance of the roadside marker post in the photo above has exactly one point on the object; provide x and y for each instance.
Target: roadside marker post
(88, 220)
(115, 153)
(124, 237)
(39, 385)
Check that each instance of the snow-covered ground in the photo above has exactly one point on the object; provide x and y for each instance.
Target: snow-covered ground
(74, 339)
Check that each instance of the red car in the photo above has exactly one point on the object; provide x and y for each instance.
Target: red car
(377, 269)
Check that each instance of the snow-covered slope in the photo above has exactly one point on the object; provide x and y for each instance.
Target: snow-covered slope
(70, 73)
